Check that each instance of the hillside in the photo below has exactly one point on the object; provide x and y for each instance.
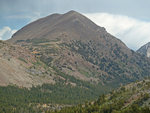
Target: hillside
(145, 50)
(74, 45)
(17, 67)
(131, 98)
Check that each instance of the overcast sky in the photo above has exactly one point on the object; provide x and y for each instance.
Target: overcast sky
(128, 20)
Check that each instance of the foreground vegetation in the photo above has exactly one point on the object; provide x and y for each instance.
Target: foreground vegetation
(133, 98)
(22, 100)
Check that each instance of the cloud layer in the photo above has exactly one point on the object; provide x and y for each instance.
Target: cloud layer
(134, 33)
(6, 32)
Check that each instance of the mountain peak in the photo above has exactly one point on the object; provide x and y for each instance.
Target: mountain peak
(72, 12)
(72, 23)
(145, 50)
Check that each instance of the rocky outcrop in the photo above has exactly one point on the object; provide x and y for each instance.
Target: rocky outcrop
(145, 50)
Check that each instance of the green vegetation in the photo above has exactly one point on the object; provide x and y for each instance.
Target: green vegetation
(93, 89)
(133, 98)
(17, 100)
(36, 41)
(22, 59)
(46, 60)
(14, 98)
(127, 99)
(26, 100)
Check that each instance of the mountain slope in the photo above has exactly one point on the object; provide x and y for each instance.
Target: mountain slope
(145, 50)
(16, 67)
(76, 46)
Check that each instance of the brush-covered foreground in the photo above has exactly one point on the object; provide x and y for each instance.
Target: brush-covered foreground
(132, 98)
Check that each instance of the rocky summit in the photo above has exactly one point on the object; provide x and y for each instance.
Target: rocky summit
(145, 50)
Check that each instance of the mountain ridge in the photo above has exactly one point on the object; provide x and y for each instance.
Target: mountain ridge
(145, 50)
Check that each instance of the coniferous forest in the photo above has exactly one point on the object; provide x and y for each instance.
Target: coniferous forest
(131, 98)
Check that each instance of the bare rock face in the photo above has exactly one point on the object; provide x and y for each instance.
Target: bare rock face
(145, 50)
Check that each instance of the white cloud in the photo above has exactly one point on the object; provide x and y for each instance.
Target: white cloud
(134, 33)
(6, 33)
